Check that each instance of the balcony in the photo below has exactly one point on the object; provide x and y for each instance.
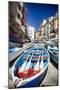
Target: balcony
(20, 12)
(18, 21)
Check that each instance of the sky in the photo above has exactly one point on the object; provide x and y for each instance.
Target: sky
(37, 12)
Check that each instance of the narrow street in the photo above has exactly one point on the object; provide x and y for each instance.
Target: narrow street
(33, 45)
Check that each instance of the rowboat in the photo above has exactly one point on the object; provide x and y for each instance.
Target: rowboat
(30, 68)
(15, 49)
(53, 53)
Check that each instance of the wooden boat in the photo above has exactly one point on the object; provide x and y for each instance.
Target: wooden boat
(29, 73)
(36, 57)
(15, 49)
(53, 53)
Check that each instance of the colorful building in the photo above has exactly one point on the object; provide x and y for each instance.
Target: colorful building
(30, 32)
(17, 22)
(49, 28)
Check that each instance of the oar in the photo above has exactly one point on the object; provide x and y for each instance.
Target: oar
(42, 64)
(37, 65)
(28, 64)
(23, 65)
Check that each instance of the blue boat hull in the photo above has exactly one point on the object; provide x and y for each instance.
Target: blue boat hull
(35, 82)
(54, 58)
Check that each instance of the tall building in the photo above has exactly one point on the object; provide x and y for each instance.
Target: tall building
(53, 27)
(49, 28)
(37, 34)
(43, 30)
(17, 22)
(30, 32)
(56, 25)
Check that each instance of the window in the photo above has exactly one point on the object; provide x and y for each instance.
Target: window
(18, 15)
(44, 34)
(18, 5)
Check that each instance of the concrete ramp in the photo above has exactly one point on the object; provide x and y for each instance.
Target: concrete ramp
(51, 78)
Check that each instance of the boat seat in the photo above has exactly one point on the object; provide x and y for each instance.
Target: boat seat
(37, 57)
